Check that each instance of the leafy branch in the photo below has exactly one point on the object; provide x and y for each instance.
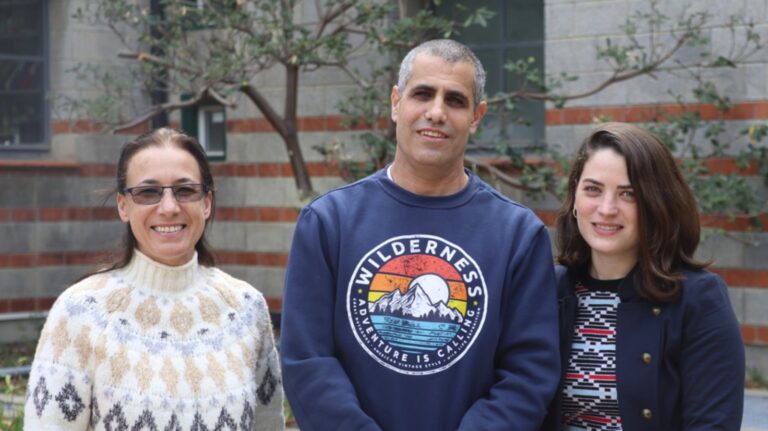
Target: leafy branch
(652, 44)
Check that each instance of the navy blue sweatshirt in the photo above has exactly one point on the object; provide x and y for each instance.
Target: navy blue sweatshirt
(406, 312)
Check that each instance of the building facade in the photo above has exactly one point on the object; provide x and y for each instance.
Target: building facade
(57, 216)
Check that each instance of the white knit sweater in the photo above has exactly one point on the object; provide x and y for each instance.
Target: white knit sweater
(156, 347)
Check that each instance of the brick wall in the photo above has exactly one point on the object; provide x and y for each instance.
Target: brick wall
(54, 225)
(739, 253)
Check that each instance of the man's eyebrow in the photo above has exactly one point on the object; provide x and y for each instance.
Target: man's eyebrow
(422, 87)
(458, 95)
(450, 93)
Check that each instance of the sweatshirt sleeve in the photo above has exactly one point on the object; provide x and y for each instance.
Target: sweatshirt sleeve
(318, 389)
(527, 359)
(60, 382)
(712, 360)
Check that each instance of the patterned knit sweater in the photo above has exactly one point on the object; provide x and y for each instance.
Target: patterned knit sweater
(590, 397)
(155, 347)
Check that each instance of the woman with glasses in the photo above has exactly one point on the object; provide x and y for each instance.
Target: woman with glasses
(161, 339)
(648, 338)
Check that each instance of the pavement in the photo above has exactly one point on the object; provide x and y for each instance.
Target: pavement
(755, 410)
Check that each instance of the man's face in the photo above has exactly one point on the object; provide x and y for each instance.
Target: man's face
(435, 114)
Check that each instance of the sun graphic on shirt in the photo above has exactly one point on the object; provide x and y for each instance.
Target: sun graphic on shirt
(434, 286)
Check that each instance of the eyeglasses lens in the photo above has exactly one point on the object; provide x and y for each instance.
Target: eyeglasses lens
(151, 195)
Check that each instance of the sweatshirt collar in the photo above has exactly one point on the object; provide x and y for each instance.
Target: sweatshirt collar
(436, 202)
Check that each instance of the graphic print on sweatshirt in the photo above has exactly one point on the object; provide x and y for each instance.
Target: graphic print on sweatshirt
(416, 303)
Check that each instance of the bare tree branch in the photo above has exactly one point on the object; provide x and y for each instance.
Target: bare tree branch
(204, 93)
(497, 174)
(355, 77)
(145, 56)
(332, 15)
(616, 77)
(262, 103)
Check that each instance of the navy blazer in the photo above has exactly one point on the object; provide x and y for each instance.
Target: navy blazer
(679, 365)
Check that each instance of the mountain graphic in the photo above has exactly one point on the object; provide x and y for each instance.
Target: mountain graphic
(415, 303)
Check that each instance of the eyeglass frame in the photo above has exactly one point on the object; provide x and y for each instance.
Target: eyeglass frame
(129, 191)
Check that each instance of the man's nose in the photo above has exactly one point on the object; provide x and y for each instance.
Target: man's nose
(436, 111)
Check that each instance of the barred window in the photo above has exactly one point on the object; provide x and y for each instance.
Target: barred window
(23, 74)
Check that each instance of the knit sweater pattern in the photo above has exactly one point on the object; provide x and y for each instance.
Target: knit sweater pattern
(156, 347)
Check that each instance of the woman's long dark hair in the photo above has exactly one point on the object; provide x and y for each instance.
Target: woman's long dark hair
(158, 138)
(668, 216)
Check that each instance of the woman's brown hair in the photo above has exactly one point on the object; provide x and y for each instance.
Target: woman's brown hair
(668, 216)
(157, 138)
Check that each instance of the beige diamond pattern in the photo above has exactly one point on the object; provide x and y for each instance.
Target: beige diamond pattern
(83, 345)
(119, 299)
(119, 365)
(148, 314)
(181, 319)
(60, 338)
(169, 375)
(144, 372)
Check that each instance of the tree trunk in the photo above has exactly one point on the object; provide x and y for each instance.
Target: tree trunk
(300, 172)
(291, 137)
(286, 127)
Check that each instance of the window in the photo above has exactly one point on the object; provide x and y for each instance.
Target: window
(207, 123)
(202, 14)
(23, 74)
(212, 129)
(515, 32)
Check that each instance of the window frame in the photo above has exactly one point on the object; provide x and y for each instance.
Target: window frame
(191, 119)
(44, 59)
(502, 47)
(204, 130)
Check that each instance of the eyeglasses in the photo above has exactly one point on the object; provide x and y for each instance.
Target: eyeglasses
(150, 195)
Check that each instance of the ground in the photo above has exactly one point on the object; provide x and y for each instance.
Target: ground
(15, 355)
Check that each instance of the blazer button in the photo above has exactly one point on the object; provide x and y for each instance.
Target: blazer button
(647, 414)
(656, 311)
(647, 358)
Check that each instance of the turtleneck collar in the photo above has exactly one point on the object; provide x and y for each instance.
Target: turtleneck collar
(145, 273)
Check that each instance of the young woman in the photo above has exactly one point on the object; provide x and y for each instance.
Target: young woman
(161, 339)
(649, 340)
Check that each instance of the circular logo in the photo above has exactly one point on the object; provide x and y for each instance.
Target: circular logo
(416, 303)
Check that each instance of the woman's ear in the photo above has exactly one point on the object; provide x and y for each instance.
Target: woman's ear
(122, 207)
(207, 202)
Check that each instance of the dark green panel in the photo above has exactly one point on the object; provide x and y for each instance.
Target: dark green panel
(524, 20)
(189, 118)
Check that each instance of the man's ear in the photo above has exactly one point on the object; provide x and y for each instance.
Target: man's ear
(122, 207)
(394, 99)
(478, 115)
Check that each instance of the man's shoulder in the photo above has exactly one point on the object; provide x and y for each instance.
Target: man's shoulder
(503, 202)
(345, 193)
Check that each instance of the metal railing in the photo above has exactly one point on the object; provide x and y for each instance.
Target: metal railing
(15, 371)
(26, 315)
